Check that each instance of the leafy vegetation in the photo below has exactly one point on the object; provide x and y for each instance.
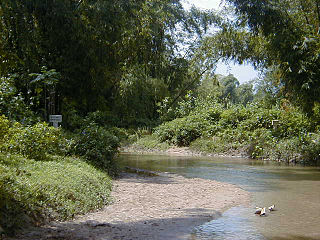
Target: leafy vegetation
(32, 141)
(280, 133)
(98, 146)
(117, 70)
(33, 191)
(36, 184)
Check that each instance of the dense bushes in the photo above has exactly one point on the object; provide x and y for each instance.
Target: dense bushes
(38, 182)
(32, 141)
(4, 127)
(12, 103)
(33, 191)
(250, 130)
(97, 145)
(181, 131)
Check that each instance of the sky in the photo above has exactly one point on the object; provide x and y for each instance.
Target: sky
(243, 73)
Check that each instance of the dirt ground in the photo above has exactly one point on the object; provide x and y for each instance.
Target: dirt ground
(165, 207)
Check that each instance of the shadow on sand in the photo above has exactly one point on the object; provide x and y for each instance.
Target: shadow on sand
(157, 229)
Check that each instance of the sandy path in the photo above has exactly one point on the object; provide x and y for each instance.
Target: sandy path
(161, 207)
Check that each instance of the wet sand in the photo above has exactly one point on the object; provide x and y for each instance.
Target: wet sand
(165, 207)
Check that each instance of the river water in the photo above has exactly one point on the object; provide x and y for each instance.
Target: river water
(295, 190)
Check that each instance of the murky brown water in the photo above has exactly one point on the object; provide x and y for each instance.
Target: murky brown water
(295, 190)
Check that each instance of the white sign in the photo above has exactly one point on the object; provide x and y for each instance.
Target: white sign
(55, 118)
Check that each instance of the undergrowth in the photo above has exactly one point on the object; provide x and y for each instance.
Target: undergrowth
(150, 142)
(32, 192)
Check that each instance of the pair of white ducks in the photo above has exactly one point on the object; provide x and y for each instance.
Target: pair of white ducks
(262, 211)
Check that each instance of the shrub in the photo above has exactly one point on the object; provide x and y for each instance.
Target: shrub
(32, 141)
(259, 142)
(101, 118)
(151, 142)
(4, 127)
(260, 118)
(304, 148)
(293, 123)
(286, 149)
(34, 191)
(210, 145)
(12, 102)
(98, 146)
(310, 149)
(233, 116)
(120, 133)
(182, 131)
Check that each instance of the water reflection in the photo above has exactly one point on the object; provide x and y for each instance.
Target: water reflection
(295, 191)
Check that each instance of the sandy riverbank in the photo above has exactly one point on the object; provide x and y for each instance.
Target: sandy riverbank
(181, 151)
(159, 207)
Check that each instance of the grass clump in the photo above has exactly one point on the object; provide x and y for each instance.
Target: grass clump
(150, 142)
(35, 191)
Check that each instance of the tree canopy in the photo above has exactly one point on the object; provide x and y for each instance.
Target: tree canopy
(110, 55)
(291, 43)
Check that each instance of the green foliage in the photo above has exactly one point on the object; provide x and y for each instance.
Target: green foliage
(36, 191)
(12, 102)
(4, 127)
(234, 116)
(292, 43)
(209, 127)
(150, 143)
(117, 56)
(137, 97)
(186, 105)
(33, 142)
(293, 123)
(98, 146)
(244, 93)
(310, 147)
(42, 88)
(268, 90)
(210, 145)
(230, 84)
(182, 131)
(101, 118)
(261, 140)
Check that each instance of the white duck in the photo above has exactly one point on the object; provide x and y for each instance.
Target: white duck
(263, 212)
(258, 210)
(271, 208)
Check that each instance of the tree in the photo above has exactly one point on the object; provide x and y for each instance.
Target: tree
(268, 90)
(244, 93)
(229, 84)
(291, 30)
(95, 44)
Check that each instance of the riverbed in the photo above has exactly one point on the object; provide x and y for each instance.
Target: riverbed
(149, 206)
(295, 190)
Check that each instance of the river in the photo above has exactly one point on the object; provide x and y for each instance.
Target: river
(295, 190)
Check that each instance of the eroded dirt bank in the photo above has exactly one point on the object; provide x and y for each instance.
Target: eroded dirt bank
(159, 207)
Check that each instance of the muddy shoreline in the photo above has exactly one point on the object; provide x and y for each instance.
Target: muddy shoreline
(181, 151)
(167, 206)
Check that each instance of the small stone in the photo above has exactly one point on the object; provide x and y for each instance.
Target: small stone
(93, 223)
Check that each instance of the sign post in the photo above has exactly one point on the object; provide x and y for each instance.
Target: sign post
(275, 123)
(55, 119)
